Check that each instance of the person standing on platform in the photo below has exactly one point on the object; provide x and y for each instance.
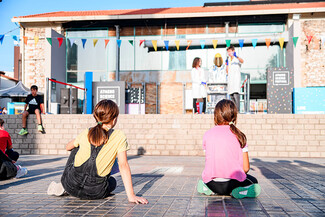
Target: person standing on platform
(233, 64)
(199, 80)
(217, 73)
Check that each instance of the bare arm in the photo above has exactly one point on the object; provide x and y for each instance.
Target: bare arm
(246, 165)
(70, 145)
(127, 179)
(240, 60)
(42, 108)
(25, 107)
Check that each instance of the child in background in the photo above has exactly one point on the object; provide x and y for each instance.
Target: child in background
(8, 157)
(226, 157)
(87, 174)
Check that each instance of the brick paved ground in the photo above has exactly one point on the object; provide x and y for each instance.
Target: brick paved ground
(290, 187)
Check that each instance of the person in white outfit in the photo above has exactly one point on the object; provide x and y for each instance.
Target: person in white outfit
(199, 80)
(233, 63)
(217, 72)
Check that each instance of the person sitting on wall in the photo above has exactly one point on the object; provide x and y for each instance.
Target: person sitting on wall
(4, 110)
(199, 92)
(233, 63)
(8, 157)
(35, 105)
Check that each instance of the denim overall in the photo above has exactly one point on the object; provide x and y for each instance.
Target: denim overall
(83, 181)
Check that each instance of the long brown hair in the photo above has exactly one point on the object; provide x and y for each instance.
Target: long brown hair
(104, 113)
(196, 62)
(225, 113)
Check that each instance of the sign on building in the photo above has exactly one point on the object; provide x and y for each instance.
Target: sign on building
(112, 90)
(279, 90)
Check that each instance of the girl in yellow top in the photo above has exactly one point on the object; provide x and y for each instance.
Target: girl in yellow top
(93, 153)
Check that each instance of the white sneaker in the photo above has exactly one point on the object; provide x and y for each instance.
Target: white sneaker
(55, 189)
(21, 172)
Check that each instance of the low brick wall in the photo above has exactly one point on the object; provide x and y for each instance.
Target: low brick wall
(268, 135)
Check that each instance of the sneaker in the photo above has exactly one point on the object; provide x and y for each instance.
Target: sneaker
(203, 188)
(249, 191)
(55, 189)
(21, 172)
(40, 128)
(23, 132)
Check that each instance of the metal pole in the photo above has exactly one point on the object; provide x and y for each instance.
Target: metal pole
(47, 95)
(157, 95)
(139, 111)
(85, 101)
(70, 101)
(184, 85)
(117, 73)
(248, 91)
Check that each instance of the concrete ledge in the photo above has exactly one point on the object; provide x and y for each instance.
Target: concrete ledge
(268, 135)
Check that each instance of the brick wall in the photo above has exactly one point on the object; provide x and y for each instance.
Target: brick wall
(268, 135)
(312, 60)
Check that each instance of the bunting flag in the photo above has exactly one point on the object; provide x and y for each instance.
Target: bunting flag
(166, 44)
(281, 42)
(25, 40)
(14, 37)
(310, 37)
(72, 41)
(49, 40)
(189, 42)
(215, 43)
(177, 44)
(36, 38)
(202, 42)
(295, 39)
(141, 41)
(254, 42)
(118, 41)
(83, 42)
(228, 41)
(131, 42)
(95, 42)
(1, 38)
(241, 43)
(60, 40)
(106, 42)
(268, 42)
(154, 44)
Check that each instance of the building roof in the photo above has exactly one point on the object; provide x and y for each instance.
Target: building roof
(153, 13)
(7, 77)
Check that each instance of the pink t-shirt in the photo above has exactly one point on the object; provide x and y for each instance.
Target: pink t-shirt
(223, 155)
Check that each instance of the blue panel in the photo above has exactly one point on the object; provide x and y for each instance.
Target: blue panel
(309, 100)
(89, 94)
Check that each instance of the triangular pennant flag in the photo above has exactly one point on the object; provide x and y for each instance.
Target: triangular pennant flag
(1, 38)
(310, 37)
(36, 40)
(189, 42)
(106, 42)
(166, 44)
(95, 42)
(295, 39)
(14, 37)
(118, 41)
(241, 43)
(254, 42)
(141, 41)
(281, 42)
(267, 42)
(154, 44)
(228, 41)
(83, 42)
(60, 40)
(72, 40)
(25, 40)
(202, 42)
(131, 42)
(49, 40)
(177, 44)
(215, 43)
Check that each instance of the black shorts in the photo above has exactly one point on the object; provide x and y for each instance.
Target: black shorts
(32, 111)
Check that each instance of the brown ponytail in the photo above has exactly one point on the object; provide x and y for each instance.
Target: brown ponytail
(225, 113)
(104, 113)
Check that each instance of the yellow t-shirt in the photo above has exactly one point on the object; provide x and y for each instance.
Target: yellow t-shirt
(105, 159)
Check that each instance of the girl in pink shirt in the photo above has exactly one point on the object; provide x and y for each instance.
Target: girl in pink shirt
(226, 157)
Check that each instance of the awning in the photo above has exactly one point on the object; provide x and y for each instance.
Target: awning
(16, 91)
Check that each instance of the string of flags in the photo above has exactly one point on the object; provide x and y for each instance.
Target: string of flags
(165, 42)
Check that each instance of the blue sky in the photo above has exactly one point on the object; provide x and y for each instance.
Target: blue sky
(11, 8)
